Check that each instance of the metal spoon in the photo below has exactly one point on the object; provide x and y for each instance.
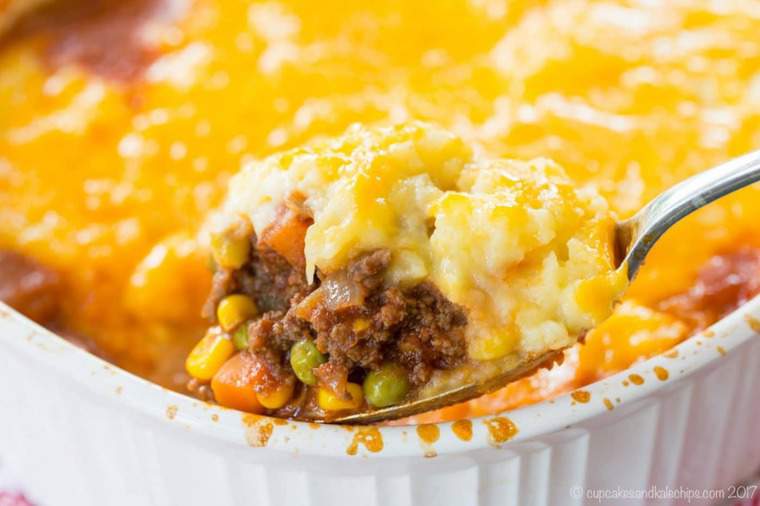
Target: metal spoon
(634, 239)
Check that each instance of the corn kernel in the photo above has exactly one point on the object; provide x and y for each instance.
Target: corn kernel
(330, 402)
(209, 355)
(229, 251)
(278, 398)
(234, 310)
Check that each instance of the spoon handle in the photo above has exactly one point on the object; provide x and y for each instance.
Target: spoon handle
(636, 236)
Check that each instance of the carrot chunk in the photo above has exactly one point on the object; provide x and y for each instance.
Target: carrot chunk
(233, 384)
(286, 235)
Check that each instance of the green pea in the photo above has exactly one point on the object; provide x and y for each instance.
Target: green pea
(240, 336)
(304, 356)
(386, 386)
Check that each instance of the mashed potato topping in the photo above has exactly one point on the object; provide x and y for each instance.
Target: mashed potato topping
(516, 243)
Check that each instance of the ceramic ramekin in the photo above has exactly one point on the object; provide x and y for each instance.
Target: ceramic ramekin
(79, 431)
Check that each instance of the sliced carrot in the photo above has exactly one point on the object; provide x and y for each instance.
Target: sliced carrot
(233, 383)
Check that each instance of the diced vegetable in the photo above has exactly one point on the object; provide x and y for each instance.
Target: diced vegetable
(233, 384)
(209, 355)
(386, 386)
(234, 310)
(240, 337)
(276, 398)
(304, 357)
(286, 235)
(230, 250)
(342, 292)
(331, 402)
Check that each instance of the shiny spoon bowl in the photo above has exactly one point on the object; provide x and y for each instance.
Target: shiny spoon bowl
(633, 240)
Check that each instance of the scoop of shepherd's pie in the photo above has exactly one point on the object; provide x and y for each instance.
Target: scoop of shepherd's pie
(398, 255)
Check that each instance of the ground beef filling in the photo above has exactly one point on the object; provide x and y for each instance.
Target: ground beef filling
(352, 316)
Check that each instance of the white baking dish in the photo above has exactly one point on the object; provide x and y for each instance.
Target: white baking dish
(81, 432)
